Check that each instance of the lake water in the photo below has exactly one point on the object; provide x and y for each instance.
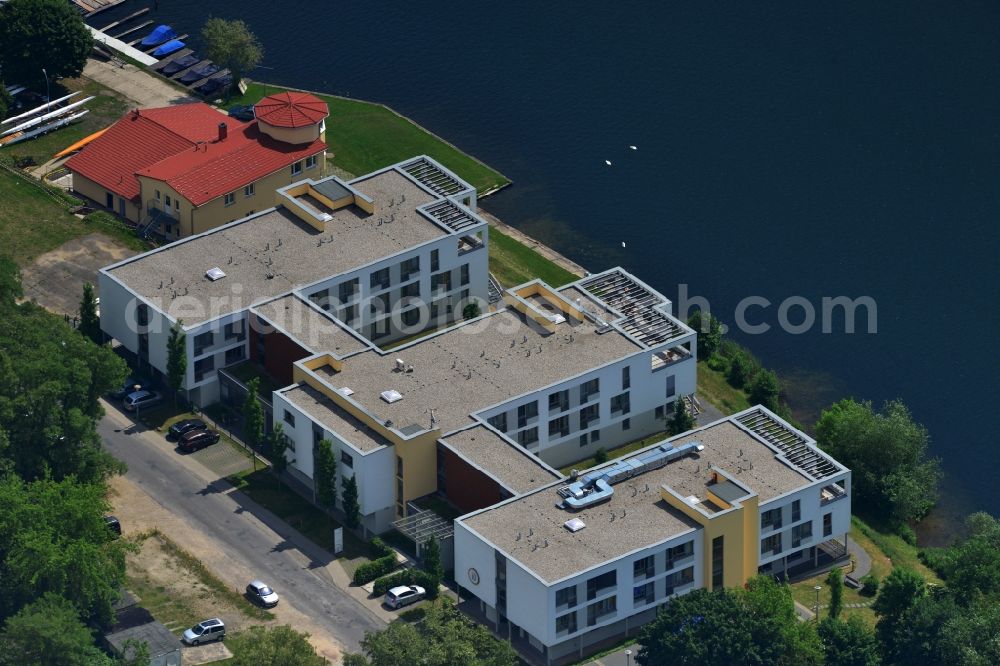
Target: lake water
(782, 150)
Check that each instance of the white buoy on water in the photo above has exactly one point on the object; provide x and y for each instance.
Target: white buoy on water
(633, 148)
(608, 162)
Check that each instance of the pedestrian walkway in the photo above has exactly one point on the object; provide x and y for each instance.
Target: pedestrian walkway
(142, 89)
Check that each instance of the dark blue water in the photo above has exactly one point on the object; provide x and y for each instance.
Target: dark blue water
(841, 149)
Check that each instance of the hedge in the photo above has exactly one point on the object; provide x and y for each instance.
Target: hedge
(406, 577)
(369, 571)
(380, 549)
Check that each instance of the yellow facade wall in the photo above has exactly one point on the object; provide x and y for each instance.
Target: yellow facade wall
(292, 135)
(98, 194)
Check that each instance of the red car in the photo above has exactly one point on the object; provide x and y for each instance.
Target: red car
(197, 439)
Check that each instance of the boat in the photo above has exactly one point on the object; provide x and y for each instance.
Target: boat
(173, 46)
(27, 125)
(213, 86)
(15, 90)
(79, 144)
(178, 64)
(200, 73)
(44, 129)
(39, 110)
(160, 34)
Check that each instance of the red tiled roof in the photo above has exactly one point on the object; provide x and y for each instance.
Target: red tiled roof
(179, 145)
(213, 169)
(291, 109)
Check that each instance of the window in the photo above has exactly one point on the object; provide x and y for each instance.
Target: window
(658, 412)
(601, 584)
(289, 418)
(202, 367)
(499, 422)
(559, 401)
(595, 436)
(234, 355)
(626, 378)
(411, 317)
(682, 577)
(671, 386)
(588, 415)
(399, 466)
(310, 161)
(770, 518)
(771, 544)
(644, 568)
(527, 437)
(202, 341)
(231, 198)
(379, 305)
(379, 279)
(801, 533)
(435, 255)
(441, 281)
(677, 553)
(411, 290)
(464, 275)
(620, 404)
(297, 168)
(347, 290)
(827, 524)
(346, 459)
(234, 330)
(627, 424)
(559, 427)
(718, 554)
(177, 204)
(566, 597)
(566, 624)
(796, 511)
(157, 195)
(583, 440)
(249, 190)
(589, 389)
(166, 201)
(600, 610)
(643, 594)
(526, 413)
(409, 267)
(317, 437)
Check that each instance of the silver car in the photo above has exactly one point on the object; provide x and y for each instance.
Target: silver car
(205, 632)
(141, 399)
(262, 593)
(404, 595)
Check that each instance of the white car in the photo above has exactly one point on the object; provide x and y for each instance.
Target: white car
(404, 595)
(206, 631)
(262, 593)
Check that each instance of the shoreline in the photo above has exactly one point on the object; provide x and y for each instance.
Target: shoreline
(531, 243)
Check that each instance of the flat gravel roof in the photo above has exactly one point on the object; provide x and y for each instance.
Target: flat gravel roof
(510, 464)
(314, 329)
(335, 418)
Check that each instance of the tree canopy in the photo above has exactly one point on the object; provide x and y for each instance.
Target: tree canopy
(176, 358)
(971, 567)
(49, 632)
(90, 323)
(42, 34)
(232, 45)
(848, 643)
(326, 474)
(709, 330)
(893, 479)
(253, 415)
(275, 646)
(681, 420)
(352, 510)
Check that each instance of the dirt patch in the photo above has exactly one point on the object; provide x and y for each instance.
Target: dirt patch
(55, 279)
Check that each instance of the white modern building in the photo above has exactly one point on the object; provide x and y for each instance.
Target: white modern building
(382, 257)
(583, 561)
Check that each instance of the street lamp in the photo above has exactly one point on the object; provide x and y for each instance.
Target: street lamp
(46, 75)
(137, 387)
(817, 588)
(628, 657)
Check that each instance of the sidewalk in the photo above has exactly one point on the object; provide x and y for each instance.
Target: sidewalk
(141, 88)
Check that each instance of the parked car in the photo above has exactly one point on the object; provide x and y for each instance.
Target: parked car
(205, 632)
(197, 439)
(113, 524)
(128, 386)
(261, 593)
(141, 399)
(404, 595)
(182, 428)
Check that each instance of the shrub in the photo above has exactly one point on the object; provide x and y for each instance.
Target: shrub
(742, 369)
(405, 577)
(870, 583)
(907, 534)
(601, 456)
(718, 363)
(380, 549)
(369, 571)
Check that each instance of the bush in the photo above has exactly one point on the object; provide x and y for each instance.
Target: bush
(369, 571)
(380, 549)
(742, 369)
(405, 577)
(870, 585)
(718, 363)
(601, 456)
(907, 534)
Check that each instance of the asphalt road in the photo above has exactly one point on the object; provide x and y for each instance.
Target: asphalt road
(251, 537)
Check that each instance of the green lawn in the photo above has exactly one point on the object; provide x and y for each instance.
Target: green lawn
(364, 137)
(513, 263)
(713, 387)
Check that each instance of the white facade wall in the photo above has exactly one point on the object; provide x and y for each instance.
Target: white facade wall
(473, 552)
(811, 510)
(116, 314)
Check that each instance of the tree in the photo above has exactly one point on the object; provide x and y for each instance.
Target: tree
(446, 638)
(681, 421)
(278, 445)
(90, 323)
(433, 565)
(917, 637)
(232, 45)
(970, 638)
(471, 310)
(899, 592)
(10, 281)
(742, 368)
(38, 35)
(835, 579)
(176, 358)
(971, 566)
(709, 333)
(764, 390)
(55, 540)
(48, 631)
(352, 510)
(849, 643)
(326, 475)
(275, 646)
(253, 415)
(893, 479)
(6, 101)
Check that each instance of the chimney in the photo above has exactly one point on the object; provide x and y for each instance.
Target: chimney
(223, 131)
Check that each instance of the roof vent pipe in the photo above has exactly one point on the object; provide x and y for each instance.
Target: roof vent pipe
(223, 131)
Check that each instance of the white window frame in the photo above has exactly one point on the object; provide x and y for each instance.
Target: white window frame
(230, 198)
(297, 168)
(311, 162)
(249, 190)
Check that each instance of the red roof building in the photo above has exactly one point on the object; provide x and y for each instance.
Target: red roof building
(184, 169)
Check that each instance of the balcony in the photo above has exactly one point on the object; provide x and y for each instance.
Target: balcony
(831, 493)
(468, 244)
(669, 357)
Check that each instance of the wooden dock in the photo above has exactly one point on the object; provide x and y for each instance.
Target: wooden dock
(91, 7)
(131, 30)
(124, 20)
